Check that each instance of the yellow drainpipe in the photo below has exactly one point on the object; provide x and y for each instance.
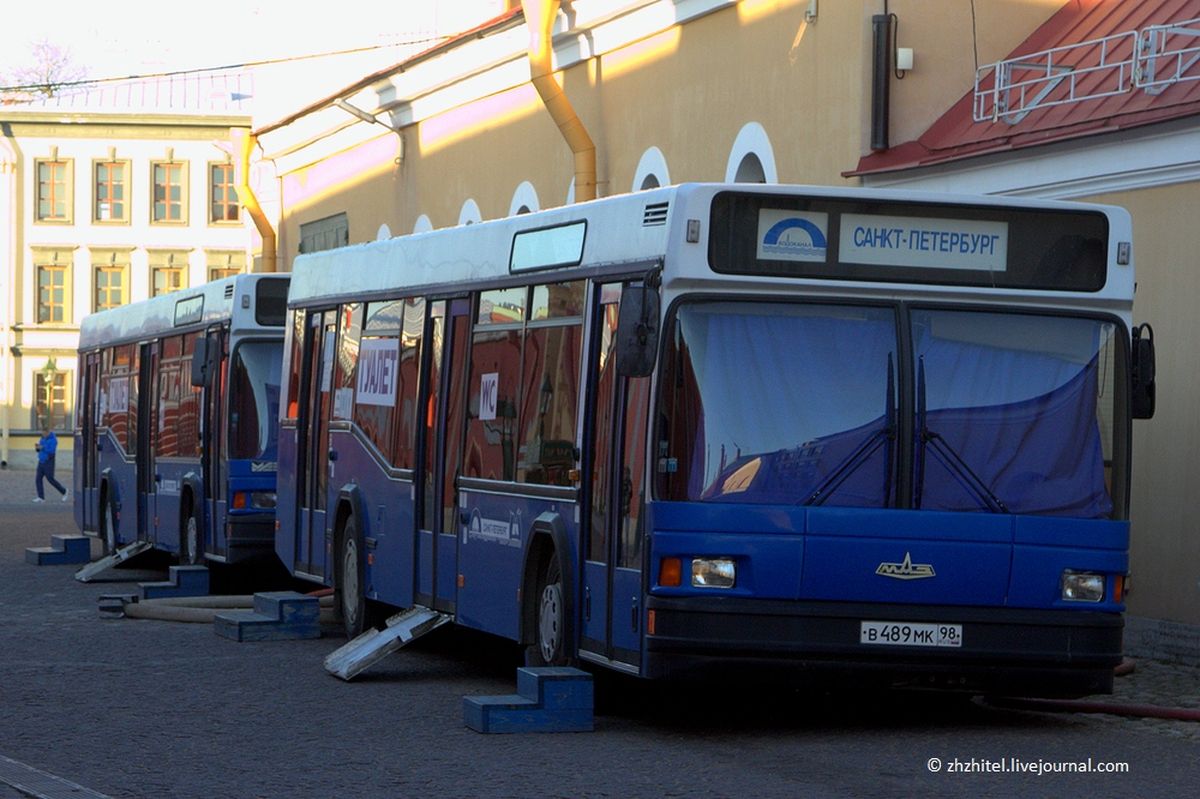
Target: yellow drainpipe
(250, 203)
(539, 16)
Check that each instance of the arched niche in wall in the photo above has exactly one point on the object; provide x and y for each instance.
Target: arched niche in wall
(524, 200)
(651, 171)
(469, 214)
(751, 159)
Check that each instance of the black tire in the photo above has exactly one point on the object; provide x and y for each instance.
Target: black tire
(348, 600)
(551, 619)
(191, 539)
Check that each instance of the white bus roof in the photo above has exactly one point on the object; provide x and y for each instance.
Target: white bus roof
(200, 306)
(642, 227)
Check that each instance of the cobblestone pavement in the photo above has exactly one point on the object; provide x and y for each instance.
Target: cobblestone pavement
(159, 710)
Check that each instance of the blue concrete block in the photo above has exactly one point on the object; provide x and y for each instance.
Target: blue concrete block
(550, 699)
(288, 607)
(246, 625)
(63, 549)
(557, 687)
(277, 616)
(181, 581)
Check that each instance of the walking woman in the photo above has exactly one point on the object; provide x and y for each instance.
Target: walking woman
(46, 447)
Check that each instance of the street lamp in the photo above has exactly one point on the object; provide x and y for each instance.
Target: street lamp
(49, 372)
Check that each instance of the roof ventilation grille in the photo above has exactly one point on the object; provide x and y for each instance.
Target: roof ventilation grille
(229, 292)
(655, 215)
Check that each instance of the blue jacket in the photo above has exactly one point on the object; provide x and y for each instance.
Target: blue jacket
(48, 446)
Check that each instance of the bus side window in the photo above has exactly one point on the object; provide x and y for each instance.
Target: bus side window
(295, 362)
(345, 366)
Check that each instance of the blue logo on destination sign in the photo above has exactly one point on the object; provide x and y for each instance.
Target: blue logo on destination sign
(794, 236)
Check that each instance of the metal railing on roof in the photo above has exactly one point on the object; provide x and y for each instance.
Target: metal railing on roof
(1150, 59)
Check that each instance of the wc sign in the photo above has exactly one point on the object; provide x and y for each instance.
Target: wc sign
(489, 387)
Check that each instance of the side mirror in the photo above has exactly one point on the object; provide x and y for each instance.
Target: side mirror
(637, 331)
(1142, 400)
(200, 362)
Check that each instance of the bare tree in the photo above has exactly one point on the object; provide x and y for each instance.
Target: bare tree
(51, 68)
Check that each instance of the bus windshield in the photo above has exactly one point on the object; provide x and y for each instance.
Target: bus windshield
(780, 403)
(254, 400)
(1014, 412)
(773, 403)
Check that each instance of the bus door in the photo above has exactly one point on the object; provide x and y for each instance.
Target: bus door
(612, 575)
(313, 445)
(86, 478)
(145, 429)
(213, 464)
(442, 429)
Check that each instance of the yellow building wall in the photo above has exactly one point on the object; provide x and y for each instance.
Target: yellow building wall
(1165, 541)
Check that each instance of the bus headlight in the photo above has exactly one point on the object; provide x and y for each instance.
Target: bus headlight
(255, 500)
(1082, 586)
(713, 573)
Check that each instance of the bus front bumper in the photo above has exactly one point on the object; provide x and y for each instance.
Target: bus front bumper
(250, 536)
(1025, 652)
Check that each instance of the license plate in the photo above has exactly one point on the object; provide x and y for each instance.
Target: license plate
(899, 633)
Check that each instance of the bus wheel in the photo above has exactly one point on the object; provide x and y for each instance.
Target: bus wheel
(191, 550)
(348, 589)
(108, 521)
(550, 645)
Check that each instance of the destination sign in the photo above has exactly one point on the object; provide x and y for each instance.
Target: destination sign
(924, 242)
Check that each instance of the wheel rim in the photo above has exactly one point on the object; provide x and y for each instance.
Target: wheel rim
(350, 582)
(550, 620)
(192, 538)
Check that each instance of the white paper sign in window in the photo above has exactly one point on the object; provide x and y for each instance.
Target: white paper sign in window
(489, 387)
(378, 370)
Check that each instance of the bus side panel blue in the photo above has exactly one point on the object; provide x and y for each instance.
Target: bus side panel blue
(491, 555)
(848, 569)
(1047, 546)
(287, 502)
(168, 502)
(425, 558)
(627, 609)
(1082, 533)
(123, 475)
(1037, 575)
(911, 524)
(389, 570)
(595, 623)
(768, 566)
(718, 517)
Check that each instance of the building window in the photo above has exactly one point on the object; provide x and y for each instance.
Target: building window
(166, 279)
(53, 190)
(224, 263)
(325, 234)
(50, 392)
(170, 192)
(110, 287)
(111, 200)
(52, 294)
(222, 194)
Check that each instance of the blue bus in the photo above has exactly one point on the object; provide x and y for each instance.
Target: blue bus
(177, 421)
(711, 426)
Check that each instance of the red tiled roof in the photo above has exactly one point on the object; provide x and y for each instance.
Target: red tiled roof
(956, 135)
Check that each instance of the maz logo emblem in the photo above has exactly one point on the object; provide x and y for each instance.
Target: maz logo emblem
(906, 570)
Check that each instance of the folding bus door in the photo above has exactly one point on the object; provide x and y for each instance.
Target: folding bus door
(213, 464)
(86, 478)
(313, 442)
(145, 428)
(612, 543)
(441, 430)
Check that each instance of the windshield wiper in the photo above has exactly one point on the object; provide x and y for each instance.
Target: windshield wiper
(947, 456)
(851, 463)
